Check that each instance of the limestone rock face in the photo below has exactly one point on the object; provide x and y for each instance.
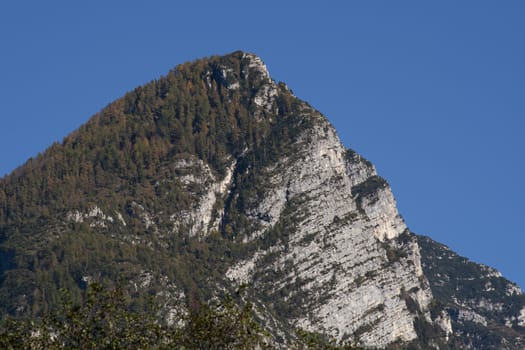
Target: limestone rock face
(344, 266)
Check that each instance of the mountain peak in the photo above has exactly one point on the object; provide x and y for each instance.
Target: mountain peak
(249, 62)
(215, 177)
(238, 72)
(256, 63)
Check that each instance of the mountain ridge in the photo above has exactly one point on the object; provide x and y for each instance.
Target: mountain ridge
(214, 177)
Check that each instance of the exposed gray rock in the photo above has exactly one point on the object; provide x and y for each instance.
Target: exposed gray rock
(340, 259)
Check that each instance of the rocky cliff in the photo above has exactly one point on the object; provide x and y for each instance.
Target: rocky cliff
(338, 265)
(216, 178)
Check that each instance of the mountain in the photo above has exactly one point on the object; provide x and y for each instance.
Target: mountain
(215, 178)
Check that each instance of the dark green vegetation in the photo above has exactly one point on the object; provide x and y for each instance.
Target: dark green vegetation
(103, 321)
(479, 300)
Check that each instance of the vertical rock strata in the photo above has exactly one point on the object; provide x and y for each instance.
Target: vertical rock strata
(344, 267)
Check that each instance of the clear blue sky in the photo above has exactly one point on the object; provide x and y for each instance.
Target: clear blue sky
(433, 93)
